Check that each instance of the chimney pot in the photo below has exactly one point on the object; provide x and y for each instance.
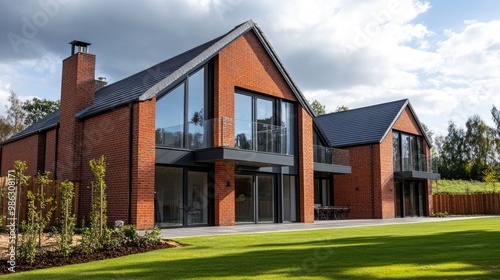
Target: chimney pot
(79, 46)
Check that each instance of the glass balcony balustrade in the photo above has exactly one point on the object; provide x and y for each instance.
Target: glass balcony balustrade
(329, 155)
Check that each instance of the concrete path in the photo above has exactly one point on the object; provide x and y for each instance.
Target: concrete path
(172, 233)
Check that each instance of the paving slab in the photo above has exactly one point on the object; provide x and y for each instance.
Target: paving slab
(181, 232)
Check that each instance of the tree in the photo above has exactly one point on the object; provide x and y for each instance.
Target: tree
(341, 108)
(480, 150)
(5, 129)
(37, 109)
(318, 108)
(13, 122)
(454, 154)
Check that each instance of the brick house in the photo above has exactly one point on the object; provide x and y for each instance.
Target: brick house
(217, 135)
(390, 159)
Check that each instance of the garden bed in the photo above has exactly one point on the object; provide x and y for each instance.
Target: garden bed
(49, 257)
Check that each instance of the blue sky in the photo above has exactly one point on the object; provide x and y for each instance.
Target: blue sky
(442, 55)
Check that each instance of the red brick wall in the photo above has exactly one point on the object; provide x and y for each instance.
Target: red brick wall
(355, 189)
(77, 92)
(24, 149)
(245, 64)
(50, 151)
(224, 196)
(143, 164)
(406, 123)
(306, 166)
(387, 178)
(107, 134)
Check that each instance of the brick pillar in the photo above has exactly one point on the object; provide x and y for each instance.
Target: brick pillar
(143, 164)
(306, 167)
(225, 213)
(77, 92)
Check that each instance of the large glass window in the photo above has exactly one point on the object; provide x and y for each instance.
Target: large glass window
(264, 124)
(408, 152)
(181, 115)
(170, 119)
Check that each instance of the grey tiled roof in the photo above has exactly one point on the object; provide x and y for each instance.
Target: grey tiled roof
(132, 87)
(49, 121)
(361, 126)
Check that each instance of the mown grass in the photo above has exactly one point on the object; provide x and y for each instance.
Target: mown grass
(463, 187)
(460, 249)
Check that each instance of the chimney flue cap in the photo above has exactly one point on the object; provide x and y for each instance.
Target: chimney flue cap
(79, 46)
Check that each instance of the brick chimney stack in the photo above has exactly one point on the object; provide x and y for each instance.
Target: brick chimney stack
(77, 92)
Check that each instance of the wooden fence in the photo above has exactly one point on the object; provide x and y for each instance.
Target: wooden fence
(471, 204)
(51, 191)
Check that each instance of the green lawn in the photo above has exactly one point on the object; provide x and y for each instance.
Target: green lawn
(467, 249)
(463, 187)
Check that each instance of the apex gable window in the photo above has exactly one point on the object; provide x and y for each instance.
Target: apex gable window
(408, 152)
(182, 114)
(264, 124)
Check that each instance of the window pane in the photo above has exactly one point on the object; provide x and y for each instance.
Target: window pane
(168, 196)
(197, 198)
(288, 129)
(405, 152)
(265, 130)
(396, 150)
(243, 121)
(422, 161)
(289, 199)
(170, 118)
(199, 129)
(414, 152)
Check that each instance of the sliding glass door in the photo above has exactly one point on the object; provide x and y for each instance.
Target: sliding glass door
(181, 197)
(254, 198)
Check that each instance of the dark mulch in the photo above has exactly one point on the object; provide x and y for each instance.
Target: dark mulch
(51, 258)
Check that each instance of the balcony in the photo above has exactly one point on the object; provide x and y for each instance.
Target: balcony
(419, 166)
(331, 160)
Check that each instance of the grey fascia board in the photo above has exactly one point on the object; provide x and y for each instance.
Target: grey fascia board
(195, 62)
(417, 175)
(332, 168)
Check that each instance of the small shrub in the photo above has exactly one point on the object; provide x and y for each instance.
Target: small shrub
(440, 214)
(67, 220)
(130, 231)
(152, 237)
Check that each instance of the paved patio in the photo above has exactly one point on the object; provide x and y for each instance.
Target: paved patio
(172, 233)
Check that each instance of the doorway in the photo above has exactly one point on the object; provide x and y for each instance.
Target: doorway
(409, 199)
(254, 198)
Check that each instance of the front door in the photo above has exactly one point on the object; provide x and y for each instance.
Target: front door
(254, 198)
